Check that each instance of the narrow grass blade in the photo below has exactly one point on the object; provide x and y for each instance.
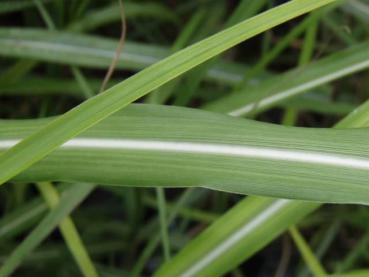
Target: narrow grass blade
(69, 232)
(222, 246)
(308, 255)
(252, 100)
(96, 52)
(75, 49)
(160, 194)
(69, 200)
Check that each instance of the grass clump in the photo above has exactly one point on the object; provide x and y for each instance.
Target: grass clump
(175, 184)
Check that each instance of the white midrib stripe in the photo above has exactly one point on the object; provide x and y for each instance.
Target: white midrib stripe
(235, 237)
(292, 91)
(256, 152)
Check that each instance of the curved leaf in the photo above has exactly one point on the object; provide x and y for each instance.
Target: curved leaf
(172, 146)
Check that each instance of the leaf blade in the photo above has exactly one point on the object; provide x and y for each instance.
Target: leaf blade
(148, 143)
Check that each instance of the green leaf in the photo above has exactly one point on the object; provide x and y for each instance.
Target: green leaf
(253, 100)
(239, 233)
(75, 49)
(44, 141)
(69, 231)
(171, 146)
(93, 51)
(306, 252)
